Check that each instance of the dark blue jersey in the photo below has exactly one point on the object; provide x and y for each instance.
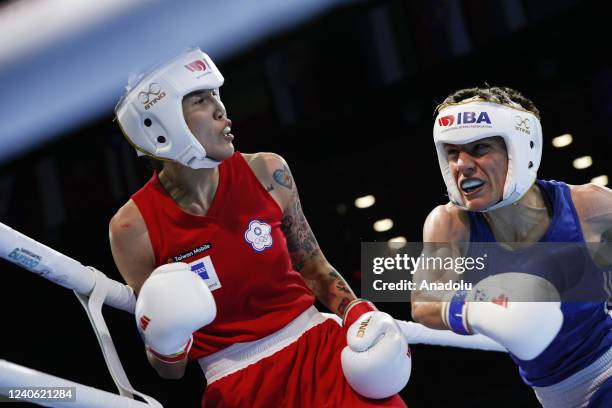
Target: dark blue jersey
(586, 331)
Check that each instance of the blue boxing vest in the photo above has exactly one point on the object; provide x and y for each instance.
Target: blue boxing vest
(586, 331)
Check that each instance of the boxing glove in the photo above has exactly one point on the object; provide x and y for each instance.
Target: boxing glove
(172, 304)
(376, 361)
(521, 312)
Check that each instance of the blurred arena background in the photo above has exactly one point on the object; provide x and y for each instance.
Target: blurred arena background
(344, 90)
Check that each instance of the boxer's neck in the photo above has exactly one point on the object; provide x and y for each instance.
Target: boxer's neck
(524, 221)
(192, 189)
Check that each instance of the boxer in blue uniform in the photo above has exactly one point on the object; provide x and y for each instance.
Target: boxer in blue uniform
(489, 145)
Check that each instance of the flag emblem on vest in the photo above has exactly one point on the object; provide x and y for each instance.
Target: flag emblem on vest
(259, 235)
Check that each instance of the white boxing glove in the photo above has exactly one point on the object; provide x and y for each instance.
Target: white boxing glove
(376, 361)
(522, 312)
(172, 304)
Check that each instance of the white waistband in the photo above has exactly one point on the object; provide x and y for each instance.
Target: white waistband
(576, 390)
(240, 355)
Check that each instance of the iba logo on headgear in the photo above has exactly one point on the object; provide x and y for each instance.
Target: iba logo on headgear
(465, 118)
(199, 67)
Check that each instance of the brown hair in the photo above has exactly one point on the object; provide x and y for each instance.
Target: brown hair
(502, 95)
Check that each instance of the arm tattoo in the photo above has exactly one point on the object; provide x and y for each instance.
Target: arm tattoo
(340, 283)
(301, 242)
(269, 188)
(333, 292)
(338, 295)
(325, 282)
(283, 177)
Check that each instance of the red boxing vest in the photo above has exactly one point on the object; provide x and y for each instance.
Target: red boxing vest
(238, 248)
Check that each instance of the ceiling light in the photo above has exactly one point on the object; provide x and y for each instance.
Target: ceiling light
(583, 162)
(600, 180)
(397, 242)
(383, 225)
(563, 140)
(365, 201)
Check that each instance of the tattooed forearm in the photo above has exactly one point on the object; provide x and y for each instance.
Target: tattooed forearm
(301, 242)
(325, 282)
(340, 283)
(335, 292)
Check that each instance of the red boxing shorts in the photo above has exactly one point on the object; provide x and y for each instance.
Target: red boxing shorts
(298, 366)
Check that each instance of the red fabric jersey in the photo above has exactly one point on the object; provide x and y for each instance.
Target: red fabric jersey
(238, 248)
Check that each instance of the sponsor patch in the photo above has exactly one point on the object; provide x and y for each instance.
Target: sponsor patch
(206, 270)
(25, 258)
(192, 252)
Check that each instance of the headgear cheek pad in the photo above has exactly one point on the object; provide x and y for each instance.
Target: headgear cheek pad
(467, 122)
(150, 114)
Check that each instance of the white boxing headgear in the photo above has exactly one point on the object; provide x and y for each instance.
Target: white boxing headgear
(475, 119)
(150, 114)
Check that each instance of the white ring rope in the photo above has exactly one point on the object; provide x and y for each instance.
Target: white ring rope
(92, 288)
(16, 376)
(59, 268)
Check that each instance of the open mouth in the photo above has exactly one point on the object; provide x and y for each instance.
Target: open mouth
(471, 185)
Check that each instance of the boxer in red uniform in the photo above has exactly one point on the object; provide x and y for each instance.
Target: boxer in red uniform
(234, 221)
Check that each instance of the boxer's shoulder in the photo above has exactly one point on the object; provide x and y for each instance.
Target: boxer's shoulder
(127, 228)
(130, 245)
(263, 160)
(447, 223)
(273, 173)
(593, 205)
(127, 221)
(589, 197)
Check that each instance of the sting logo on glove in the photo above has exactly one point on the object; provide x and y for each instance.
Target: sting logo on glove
(362, 327)
(376, 361)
